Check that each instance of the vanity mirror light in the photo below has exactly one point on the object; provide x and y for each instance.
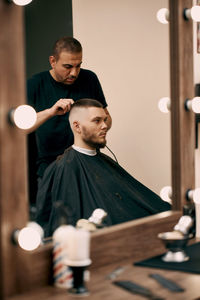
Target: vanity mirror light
(22, 271)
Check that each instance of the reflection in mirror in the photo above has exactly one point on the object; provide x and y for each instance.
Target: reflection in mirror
(128, 49)
(39, 38)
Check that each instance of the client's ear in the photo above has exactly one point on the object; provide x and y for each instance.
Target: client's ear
(76, 126)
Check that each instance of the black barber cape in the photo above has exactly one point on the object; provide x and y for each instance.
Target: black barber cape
(76, 184)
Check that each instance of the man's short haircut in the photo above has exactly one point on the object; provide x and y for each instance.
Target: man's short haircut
(86, 102)
(68, 44)
(83, 103)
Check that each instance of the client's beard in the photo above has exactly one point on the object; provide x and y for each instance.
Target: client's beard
(95, 145)
(91, 140)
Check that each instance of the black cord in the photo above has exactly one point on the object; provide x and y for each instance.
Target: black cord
(112, 154)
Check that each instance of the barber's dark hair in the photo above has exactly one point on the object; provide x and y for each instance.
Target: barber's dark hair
(85, 102)
(66, 43)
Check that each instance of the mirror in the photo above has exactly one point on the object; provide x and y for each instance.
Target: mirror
(131, 59)
(13, 179)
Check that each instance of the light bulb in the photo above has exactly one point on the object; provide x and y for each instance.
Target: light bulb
(196, 195)
(164, 104)
(24, 116)
(196, 199)
(29, 238)
(22, 2)
(196, 104)
(37, 228)
(193, 104)
(163, 15)
(166, 194)
(193, 13)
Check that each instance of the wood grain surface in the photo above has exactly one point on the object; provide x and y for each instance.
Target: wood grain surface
(13, 187)
(182, 88)
(101, 287)
(131, 241)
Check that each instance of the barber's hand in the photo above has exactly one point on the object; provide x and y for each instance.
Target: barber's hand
(61, 107)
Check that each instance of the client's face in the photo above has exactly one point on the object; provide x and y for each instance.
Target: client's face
(94, 127)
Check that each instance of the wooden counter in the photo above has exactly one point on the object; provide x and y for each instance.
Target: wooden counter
(134, 240)
(102, 288)
(119, 245)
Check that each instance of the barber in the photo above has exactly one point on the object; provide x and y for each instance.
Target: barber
(53, 92)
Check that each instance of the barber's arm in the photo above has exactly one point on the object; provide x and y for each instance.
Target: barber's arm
(60, 108)
(109, 120)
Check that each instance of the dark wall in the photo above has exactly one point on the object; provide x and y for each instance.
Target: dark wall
(45, 22)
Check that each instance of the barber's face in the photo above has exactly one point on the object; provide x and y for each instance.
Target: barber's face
(66, 69)
(94, 128)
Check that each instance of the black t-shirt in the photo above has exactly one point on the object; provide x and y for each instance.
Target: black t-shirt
(55, 135)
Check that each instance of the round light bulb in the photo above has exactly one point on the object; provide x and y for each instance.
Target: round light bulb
(166, 194)
(36, 227)
(196, 104)
(164, 104)
(193, 104)
(195, 13)
(196, 195)
(24, 116)
(163, 15)
(29, 238)
(22, 2)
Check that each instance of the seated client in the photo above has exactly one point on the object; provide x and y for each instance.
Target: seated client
(83, 178)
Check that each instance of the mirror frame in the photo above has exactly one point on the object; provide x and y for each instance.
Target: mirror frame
(182, 88)
(13, 164)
